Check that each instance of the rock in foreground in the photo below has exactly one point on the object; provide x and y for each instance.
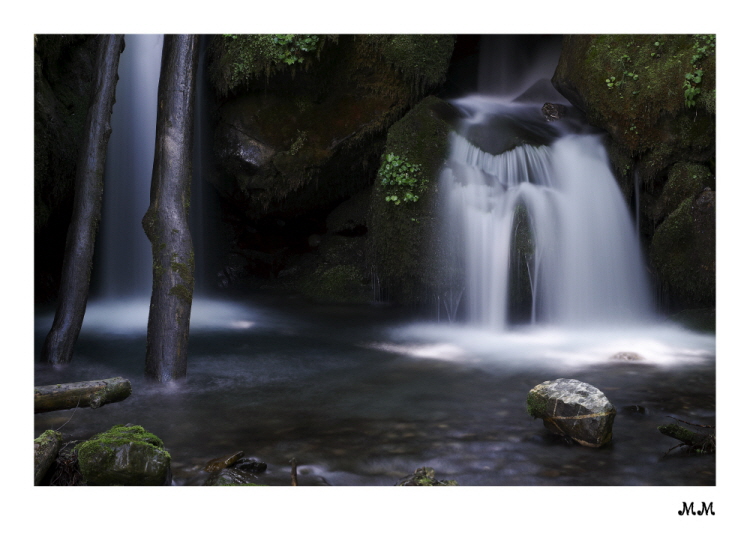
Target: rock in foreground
(124, 456)
(425, 476)
(574, 409)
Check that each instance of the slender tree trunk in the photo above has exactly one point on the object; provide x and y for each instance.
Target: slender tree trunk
(87, 206)
(166, 220)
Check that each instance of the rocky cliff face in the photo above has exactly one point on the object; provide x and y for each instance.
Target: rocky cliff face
(655, 97)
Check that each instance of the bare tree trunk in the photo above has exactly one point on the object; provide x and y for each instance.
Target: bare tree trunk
(87, 207)
(166, 220)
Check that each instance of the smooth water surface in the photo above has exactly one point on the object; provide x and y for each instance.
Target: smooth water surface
(361, 397)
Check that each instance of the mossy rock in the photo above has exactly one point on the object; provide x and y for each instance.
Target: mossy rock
(403, 236)
(683, 252)
(425, 476)
(633, 86)
(292, 138)
(684, 180)
(124, 455)
(339, 284)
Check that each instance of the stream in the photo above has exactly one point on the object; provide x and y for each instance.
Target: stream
(364, 395)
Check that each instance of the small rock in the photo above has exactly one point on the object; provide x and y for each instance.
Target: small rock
(425, 476)
(218, 464)
(627, 356)
(251, 466)
(574, 409)
(553, 112)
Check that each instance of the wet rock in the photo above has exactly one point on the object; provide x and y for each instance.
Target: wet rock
(574, 409)
(627, 357)
(217, 464)
(553, 112)
(232, 477)
(125, 455)
(250, 466)
(425, 476)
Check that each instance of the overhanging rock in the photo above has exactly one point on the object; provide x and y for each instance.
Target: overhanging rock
(574, 409)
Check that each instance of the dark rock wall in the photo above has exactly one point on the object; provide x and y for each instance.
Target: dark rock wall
(293, 140)
(63, 73)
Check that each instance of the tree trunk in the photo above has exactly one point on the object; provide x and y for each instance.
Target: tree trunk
(94, 393)
(46, 448)
(87, 206)
(166, 220)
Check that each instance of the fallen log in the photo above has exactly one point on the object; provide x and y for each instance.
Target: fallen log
(94, 393)
(46, 447)
(698, 442)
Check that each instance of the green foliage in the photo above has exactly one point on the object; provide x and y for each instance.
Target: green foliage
(703, 46)
(236, 59)
(536, 405)
(613, 82)
(402, 180)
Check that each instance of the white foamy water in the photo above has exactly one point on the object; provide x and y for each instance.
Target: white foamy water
(664, 344)
(130, 316)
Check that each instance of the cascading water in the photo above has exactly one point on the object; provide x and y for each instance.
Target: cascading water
(533, 209)
(124, 269)
(123, 266)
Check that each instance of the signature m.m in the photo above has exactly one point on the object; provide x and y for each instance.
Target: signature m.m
(689, 509)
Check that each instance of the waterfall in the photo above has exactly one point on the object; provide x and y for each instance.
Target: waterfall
(124, 265)
(538, 224)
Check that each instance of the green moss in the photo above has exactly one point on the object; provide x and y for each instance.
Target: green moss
(105, 443)
(536, 406)
(48, 435)
(647, 94)
(338, 283)
(684, 180)
(402, 234)
(422, 59)
(123, 455)
(683, 254)
(239, 59)
(182, 291)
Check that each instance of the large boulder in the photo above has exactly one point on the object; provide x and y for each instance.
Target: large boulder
(574, 409)
(125, 455)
